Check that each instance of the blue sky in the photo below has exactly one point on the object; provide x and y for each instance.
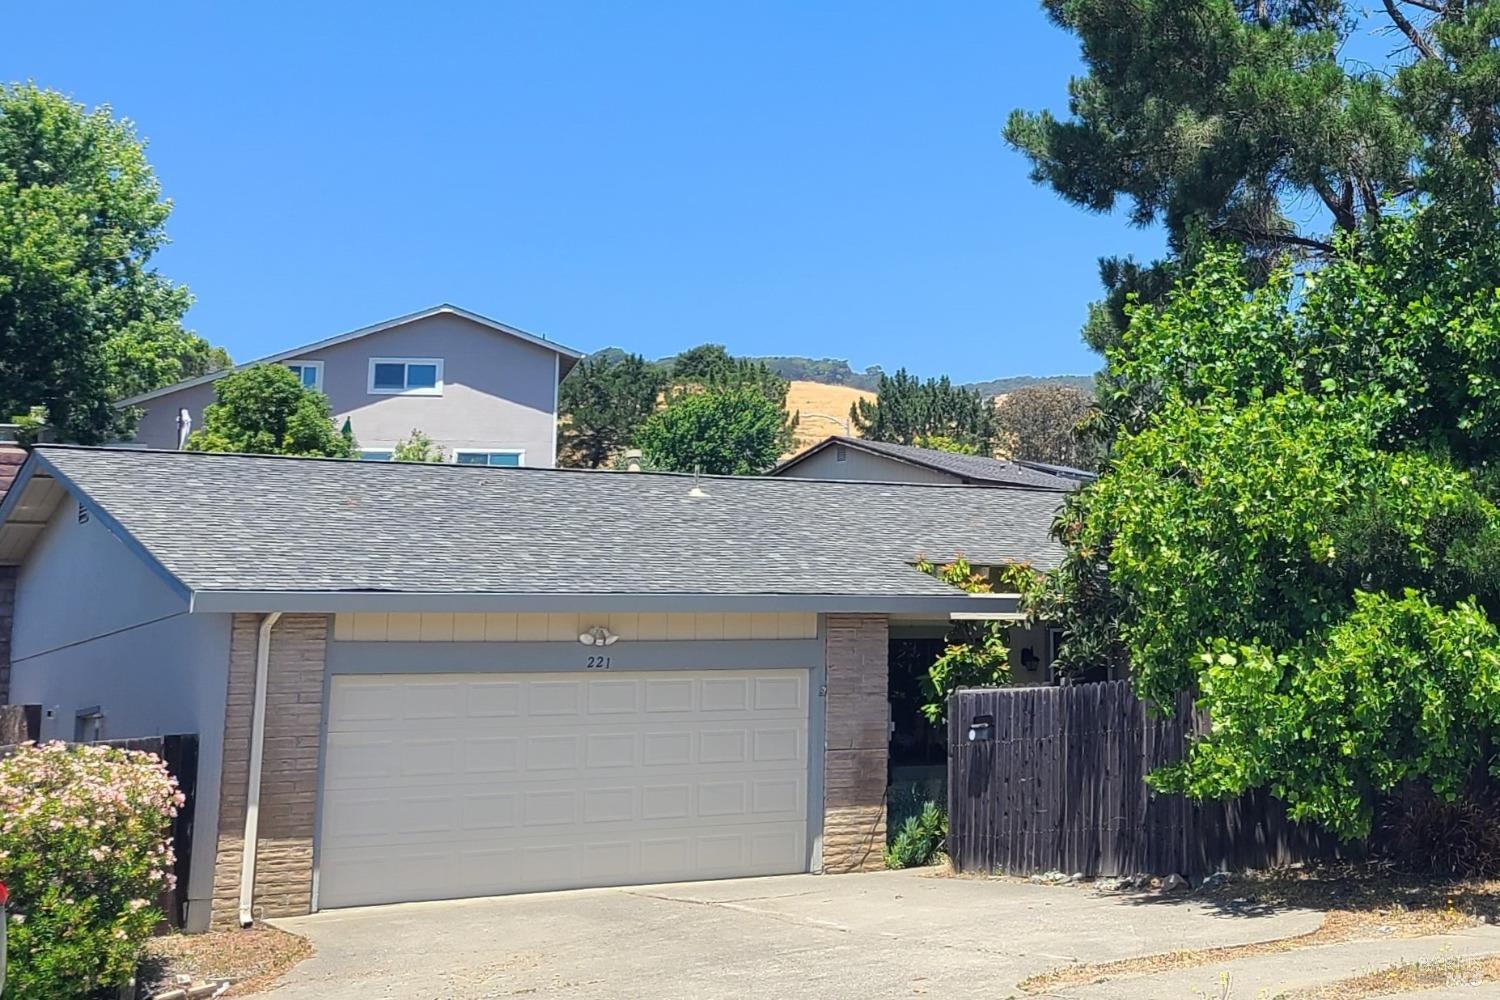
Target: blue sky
(785, 178)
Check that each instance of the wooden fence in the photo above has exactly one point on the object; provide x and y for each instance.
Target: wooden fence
(1054, 781)
(180, 752)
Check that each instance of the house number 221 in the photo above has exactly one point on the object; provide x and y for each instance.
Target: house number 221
(597, 663)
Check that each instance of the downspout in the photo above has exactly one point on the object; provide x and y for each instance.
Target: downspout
(257, 751)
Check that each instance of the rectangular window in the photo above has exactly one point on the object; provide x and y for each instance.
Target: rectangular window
(374, 455)
(88, 725)
(506, 459)
(310, 372)
(406, 376)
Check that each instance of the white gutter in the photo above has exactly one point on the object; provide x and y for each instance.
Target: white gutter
(257, 752)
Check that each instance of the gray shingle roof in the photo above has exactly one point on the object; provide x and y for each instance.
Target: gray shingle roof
(976, 468)
(247, 523)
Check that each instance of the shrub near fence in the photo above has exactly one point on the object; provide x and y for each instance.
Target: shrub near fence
(180, 754)
(1056, 782)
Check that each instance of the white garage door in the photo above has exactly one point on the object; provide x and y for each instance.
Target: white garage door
(440, 786)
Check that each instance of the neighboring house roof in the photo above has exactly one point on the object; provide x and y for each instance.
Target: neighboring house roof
(973, 469)
(567, 355)
(11, 459)
(343, 535)
(1064, 471)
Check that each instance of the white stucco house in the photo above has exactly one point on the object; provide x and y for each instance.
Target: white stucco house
(484, 391)
(433, 681)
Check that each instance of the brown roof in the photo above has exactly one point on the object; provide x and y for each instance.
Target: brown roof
(11, 458)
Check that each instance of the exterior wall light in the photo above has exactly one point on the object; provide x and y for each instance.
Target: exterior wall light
(598, 636)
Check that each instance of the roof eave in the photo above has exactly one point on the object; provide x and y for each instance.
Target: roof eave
(36, 465)
(336, 602)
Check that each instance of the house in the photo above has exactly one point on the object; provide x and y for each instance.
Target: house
(430, 681)
(484, 391)
(852, 458)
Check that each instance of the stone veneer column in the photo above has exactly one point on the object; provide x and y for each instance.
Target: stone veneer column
(857, 743)
(289, 767)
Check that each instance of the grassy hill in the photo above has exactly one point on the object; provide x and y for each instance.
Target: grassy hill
(836, 372)
(835, 401)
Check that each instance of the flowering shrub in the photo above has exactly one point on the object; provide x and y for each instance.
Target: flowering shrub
(85, 850)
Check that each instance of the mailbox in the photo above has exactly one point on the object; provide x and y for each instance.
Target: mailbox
(981, 727)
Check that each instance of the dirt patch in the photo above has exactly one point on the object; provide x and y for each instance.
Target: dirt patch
(829, 400)
(251, 959)
(1360, 902)
(1406, 978)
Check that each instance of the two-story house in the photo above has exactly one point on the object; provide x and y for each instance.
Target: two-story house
(484, 391)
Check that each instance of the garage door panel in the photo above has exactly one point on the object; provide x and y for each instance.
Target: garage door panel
(492, 699)
(666, 697)
(545, 698)
(620, 697)
(550, 807)
(553, 753)
(546, 781)
(497, 811)
(491, 754)
(772, 694)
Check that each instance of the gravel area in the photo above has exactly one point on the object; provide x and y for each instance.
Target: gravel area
(251, 959)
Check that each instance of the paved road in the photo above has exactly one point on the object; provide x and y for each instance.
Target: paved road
(888, 934)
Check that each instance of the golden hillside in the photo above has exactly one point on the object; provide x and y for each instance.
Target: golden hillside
(815, 397)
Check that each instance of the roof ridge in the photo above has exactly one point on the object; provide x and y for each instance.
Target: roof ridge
(789, 481)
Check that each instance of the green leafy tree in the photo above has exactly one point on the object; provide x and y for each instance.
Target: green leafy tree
(1226, 119)
(906, 410)
(731, 431)
(1298, 522)
(85, 319)
(266, 410)
(417, 447)
(975, 653)
(603, 403)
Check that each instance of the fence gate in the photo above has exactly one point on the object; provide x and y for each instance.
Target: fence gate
(1053, 779)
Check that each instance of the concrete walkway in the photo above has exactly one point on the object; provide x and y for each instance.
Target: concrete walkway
(1292, 971)
(887, 934)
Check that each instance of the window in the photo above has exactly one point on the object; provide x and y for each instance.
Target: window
(310, 372)
(375, 454)
(406, 376)
(88, 725)
(508, 459)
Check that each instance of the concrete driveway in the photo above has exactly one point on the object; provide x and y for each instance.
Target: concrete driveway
(889, 934)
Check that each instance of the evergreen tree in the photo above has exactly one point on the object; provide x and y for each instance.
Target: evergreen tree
(1212, 117)
(602, 404)
(907, 410)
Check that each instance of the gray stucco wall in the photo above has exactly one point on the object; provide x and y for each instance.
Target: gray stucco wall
(499, 393)
(96, 626)
(861, 465)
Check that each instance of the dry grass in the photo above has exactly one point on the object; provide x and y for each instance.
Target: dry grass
(1360, 902)
(815, 397)
(252, 959)
(1407, 978)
